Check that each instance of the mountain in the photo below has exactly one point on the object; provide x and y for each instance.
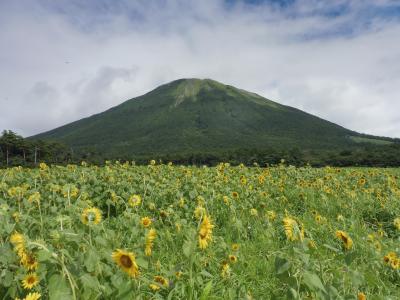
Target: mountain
(193, 115)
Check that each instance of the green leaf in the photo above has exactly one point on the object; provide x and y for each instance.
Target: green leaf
(206, 274)
(91, 260)
(292, 294)
(188, 248)
(90, 282)
(58, 288)
(349, 258)
(206, 291)
(142, 263)
(331, 248)
(313, 282)
(281, 265)
(8, 279)
(43, 255)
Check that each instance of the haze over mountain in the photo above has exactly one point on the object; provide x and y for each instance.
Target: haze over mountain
(194, 115)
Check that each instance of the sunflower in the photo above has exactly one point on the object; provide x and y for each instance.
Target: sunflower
(395, 264)
(151, 236)
(396, 223)
(292, 229)
(199, 212)
(154, 287)
(235, 195)
(135, 200)
(225, 269)
(35, 197)
(361, 296)
(205, 233)
(30, 281)
(16, 216)
(28, 260)
(347, 241)
(388, 258)
(178, 274)
(146, 222)
(232, 258)
(161, 280)
(253, 212)
(33, 296)
(126, 261)
(91, 216)
(235, 247)
(271, 215)
(225, 199)
(18, 241)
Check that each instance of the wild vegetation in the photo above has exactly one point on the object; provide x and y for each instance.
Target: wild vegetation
(173, 232)
(17, 151)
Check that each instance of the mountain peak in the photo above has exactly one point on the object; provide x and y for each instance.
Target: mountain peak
(189, 88)
(188, 115)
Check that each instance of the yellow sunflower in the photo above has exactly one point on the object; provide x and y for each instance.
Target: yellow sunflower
(28, 260)
(225, 199)
(253, 212)
(396, 223)
(232, 258)
(161, 281)
(199, 212)
(154, 286)
(151, 236)
(292, 229)
(91, 216)
(271, 215)
(225, 269)
(146, 222)
(30, 281)
(178, 274)
(361, 296)
(235, 195)
(126, 261)
(235, 247)
(32, 296)
(205, 233)
(35, 197)
(18, 241)
(135, 200)
(345, 238)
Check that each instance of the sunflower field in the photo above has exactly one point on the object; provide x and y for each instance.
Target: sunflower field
(176, 232)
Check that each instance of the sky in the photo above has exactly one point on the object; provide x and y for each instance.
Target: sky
(62, 60)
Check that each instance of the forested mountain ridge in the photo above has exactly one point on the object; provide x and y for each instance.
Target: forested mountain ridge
(193, 115)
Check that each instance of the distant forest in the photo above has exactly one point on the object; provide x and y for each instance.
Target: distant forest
(18, 151)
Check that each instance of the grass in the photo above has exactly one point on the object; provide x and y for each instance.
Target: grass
(247, 206)
(359, 139)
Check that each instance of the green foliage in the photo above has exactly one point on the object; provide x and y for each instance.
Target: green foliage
(75, 258)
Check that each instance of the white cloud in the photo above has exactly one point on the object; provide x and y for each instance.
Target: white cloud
(59, 65)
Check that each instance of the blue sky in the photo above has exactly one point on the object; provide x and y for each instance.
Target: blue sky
(67, 59)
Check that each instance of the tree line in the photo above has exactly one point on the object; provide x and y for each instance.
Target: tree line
(18, 151)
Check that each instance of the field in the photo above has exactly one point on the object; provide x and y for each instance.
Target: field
(172, 232)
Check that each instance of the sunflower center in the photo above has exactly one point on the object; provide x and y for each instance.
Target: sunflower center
(126, 261)
(31, 280)
(31, 260)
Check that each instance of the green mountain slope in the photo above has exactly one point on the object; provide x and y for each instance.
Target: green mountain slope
(193, 115)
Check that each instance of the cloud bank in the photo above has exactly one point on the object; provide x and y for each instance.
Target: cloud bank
(67, 59)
